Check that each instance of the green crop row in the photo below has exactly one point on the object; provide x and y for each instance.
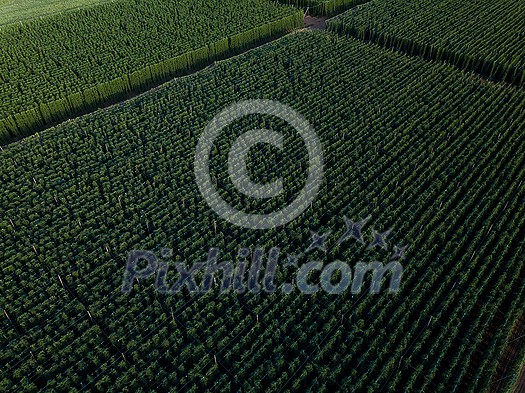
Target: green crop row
(485, 37)
(58, 67)
(324, 7)
(426, 150)
(14, 11)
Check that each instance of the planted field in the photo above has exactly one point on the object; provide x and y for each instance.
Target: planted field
(56, 67)
(487, 37)
(431, 152)
(324, 7)
(12, 11)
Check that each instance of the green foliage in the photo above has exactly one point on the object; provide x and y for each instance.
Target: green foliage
(324, 7)
(485, 37)
(77, 61)
(14, 11)
(428, 150)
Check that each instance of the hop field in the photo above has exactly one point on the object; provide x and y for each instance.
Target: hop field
(432, 152)
(16, 11)
(324, 7)
(60, 66)
(484, 36)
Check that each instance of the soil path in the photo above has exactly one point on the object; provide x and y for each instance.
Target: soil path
(314, 23)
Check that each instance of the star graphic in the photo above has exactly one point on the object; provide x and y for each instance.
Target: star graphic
(292, 260)
(399, 253)
(379, 239)
(318, 241)
(166, 252)
(353, 230)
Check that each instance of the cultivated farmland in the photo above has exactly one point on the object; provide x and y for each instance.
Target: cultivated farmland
(16, 11)
(214, 196)
(431, 152)
(68, 63)
(487, 37)
(324, 7)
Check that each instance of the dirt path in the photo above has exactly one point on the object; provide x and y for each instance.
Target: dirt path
(519, 387)
(315, 23)
(508, 359)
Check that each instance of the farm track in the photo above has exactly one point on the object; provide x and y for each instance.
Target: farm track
(315, 23)
(519, 387)
(509, 355)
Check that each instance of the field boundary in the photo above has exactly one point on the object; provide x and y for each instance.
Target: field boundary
(519, 383)
(509, 370)
(23, 124)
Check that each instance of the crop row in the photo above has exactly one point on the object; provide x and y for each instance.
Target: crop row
(324, 7)
(423, 148)
(15, 12)
(487, 38)
(57, 67)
